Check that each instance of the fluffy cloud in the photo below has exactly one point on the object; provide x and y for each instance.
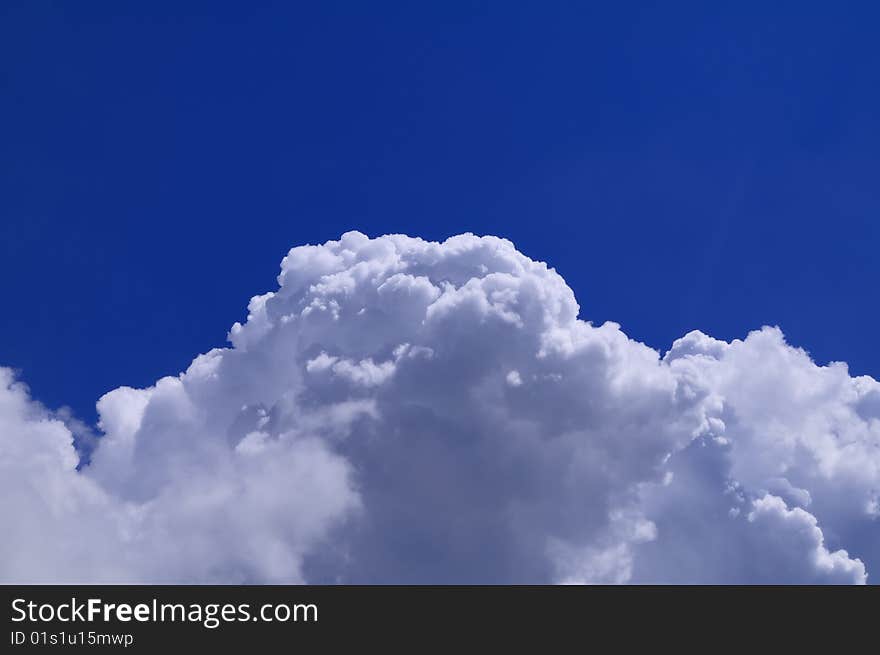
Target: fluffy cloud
(406, 411)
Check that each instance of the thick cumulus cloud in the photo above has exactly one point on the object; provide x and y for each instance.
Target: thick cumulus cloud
(407, 411)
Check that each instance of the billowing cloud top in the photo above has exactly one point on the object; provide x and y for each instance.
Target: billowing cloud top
(407, 411)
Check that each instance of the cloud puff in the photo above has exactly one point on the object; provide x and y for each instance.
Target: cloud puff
(407, 411)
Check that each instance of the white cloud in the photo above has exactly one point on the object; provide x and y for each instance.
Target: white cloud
(45, 500)
(799, 553)
(406, 411)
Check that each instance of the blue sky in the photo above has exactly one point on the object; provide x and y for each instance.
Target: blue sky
(686, 166)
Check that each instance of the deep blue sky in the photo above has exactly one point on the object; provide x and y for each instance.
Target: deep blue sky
(682, 165)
